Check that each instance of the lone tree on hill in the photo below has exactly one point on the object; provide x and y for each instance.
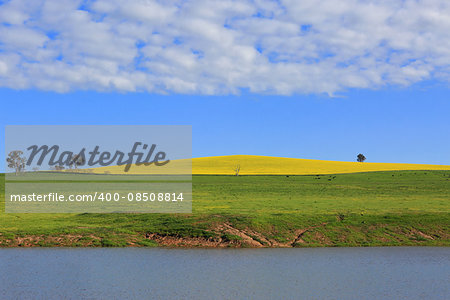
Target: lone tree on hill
(16, 161)
(360, 158)
(237, 169)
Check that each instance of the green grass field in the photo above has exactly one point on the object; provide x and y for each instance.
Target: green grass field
(359, 209)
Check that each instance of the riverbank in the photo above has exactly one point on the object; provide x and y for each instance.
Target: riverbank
(405, 230)
(398, 208)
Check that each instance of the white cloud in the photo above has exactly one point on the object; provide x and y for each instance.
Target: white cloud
(222, 46)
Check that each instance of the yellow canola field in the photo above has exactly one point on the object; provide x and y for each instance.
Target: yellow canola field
(266, 165)
(260, 165)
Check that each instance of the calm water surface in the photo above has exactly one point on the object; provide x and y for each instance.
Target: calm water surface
(329, 273)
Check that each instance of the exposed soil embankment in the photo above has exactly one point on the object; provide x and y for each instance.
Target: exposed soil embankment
(225, 235)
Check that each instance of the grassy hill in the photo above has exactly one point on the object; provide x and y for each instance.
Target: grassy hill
(361, 209)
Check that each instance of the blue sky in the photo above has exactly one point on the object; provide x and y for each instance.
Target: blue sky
(308, 79)
(390, 125)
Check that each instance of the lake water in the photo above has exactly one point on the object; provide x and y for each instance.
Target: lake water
(130, 273)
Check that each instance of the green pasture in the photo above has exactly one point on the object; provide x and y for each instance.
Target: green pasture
(360, 209)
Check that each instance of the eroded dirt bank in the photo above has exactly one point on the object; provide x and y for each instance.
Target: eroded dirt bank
(226, 235)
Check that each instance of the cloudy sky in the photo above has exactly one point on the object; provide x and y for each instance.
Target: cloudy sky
(302, 66)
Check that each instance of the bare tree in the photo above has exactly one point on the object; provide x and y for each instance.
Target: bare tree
(77, 160)
(236, 170)
(16, 161)
(360, 158)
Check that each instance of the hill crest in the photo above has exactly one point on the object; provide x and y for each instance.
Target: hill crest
(265, 165)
